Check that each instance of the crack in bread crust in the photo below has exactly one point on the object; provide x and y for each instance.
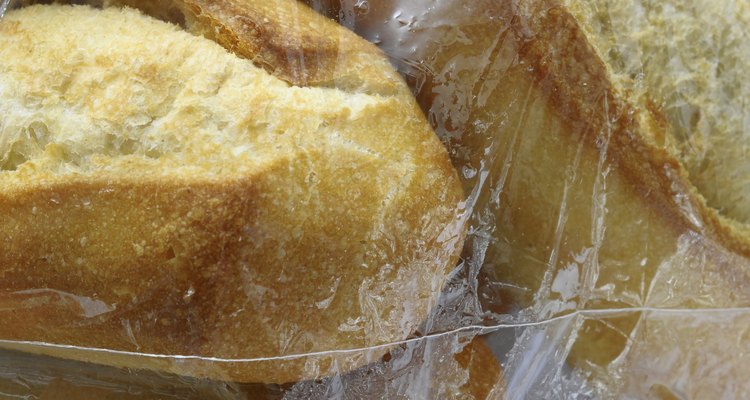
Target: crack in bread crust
(207, 202)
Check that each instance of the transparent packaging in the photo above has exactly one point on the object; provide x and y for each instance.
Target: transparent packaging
(598, 246)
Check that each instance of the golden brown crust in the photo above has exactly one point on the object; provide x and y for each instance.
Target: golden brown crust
(485, 379)
(296, 44)
(577, 81)
(630, 224)
(685, 59)
(203, 248)
(578, 206)
(286, 38)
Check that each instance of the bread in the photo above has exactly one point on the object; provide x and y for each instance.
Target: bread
(162, 196)
(595, 213)
(687, 60)
(580, 201)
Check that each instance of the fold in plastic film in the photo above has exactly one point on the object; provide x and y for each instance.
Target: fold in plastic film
(601, 255)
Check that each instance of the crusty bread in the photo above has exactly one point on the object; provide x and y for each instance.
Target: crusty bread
(161, 195)
(284, 37)
(595, 213)
(687, 61)
(580, 204)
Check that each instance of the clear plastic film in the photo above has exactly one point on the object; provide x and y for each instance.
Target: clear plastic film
(604, 251)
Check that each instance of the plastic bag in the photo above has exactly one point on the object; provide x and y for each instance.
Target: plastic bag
(592, 268)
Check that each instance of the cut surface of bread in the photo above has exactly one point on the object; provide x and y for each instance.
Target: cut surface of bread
(687, 61)
(579, 206)
(593, 214)
(161, 195)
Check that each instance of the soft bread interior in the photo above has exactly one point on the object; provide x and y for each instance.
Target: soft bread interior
(686, 61)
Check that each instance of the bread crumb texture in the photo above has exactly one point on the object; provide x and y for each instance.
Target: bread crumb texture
(687, 59)
(209, 207)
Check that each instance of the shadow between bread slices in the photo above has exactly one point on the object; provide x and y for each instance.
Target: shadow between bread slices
(154, 269)
(579, 204)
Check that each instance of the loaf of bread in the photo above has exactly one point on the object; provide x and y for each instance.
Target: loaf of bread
(169, 204)
(582, 203)
(597, 212)
(687, 61)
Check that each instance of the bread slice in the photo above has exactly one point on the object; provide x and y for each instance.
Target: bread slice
(161, 195)
(594, 212)
(580, 203)
(686, 61)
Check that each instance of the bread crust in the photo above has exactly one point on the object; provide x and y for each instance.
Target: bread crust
(582, 88)
(579, 205)
(286, 38)
(335, 231)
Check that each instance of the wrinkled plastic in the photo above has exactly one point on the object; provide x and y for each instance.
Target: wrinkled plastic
(572, 284)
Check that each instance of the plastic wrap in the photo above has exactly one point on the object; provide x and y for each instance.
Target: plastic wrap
(601, 150)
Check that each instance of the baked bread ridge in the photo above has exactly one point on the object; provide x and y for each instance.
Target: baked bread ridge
(647, 223)
(286, 38)
(162, 181)
(590, 210)
(585, 89)
(686, 60)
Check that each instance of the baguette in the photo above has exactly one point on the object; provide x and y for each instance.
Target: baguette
(581, 202)
(169, 205)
